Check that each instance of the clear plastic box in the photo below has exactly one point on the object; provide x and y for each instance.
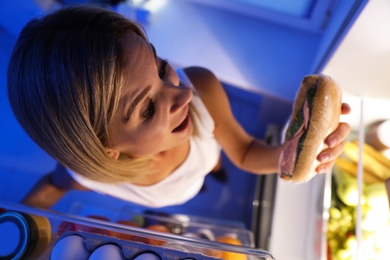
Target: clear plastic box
(48, 230)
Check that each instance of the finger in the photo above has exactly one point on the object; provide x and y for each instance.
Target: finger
(330, 154)
(345, 109)
(325, 167)
(338, 135)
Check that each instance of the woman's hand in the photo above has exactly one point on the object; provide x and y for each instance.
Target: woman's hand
(335, 144)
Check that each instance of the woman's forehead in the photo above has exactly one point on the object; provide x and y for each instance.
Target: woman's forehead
(139, 63)
(136, 47)
(137, 53)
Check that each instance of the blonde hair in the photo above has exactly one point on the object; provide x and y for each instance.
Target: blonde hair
(64, 85)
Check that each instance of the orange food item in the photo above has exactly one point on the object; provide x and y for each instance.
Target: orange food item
(231, 255)
(89, 229)
(123, 235)
(159, 228)
(66, 226)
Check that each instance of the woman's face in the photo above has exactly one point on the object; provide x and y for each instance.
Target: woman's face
(152, 115)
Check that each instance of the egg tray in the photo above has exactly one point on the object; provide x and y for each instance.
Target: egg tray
(131, 249)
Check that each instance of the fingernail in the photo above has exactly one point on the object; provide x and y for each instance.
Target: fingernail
(323, 157)
(332, 141)
(321, 169)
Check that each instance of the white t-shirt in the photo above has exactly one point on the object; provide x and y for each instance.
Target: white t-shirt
(182, 184)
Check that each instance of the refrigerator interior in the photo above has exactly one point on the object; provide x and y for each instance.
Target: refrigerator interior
(238, 200)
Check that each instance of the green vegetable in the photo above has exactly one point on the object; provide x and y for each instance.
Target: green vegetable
(310, 98)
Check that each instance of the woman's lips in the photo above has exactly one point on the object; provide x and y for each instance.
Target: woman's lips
(183, 126)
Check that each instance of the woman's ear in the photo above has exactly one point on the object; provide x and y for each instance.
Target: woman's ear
(113, 153)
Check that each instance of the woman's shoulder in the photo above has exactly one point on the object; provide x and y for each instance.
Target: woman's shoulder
(210, 90)
(203, 79)
(60, 177)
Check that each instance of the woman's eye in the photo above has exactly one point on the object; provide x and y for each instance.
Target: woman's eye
(149, 112)
(163, 68)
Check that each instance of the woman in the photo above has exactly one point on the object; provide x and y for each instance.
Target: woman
(89, 88)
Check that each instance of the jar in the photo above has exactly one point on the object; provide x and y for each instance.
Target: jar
(378, 135)
(23, 235)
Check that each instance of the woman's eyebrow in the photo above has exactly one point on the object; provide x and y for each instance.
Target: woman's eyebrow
(135, 102)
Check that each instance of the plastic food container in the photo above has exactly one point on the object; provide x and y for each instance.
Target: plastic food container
(138, 237)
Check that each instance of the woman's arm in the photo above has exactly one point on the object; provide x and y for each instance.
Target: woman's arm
(50, 188)
(243, 150)
(44, 194)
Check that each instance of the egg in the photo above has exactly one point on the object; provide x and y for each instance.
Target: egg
(70, 247)
(147, 256)
(107, 251)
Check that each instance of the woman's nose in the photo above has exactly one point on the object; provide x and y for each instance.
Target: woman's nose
(180, 97)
